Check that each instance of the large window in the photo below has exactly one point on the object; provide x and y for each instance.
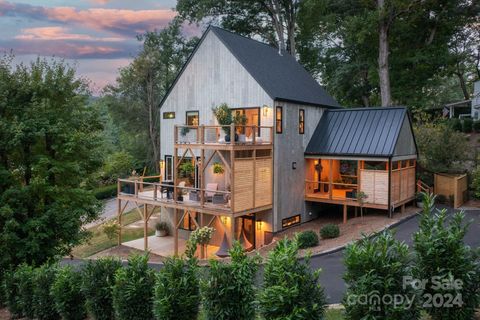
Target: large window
(168, 168)
(290, 222)
(192, 118)
(253, 119)
(301, 121)
(169, 115)
(279, 119)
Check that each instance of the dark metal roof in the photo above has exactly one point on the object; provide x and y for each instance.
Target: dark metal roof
(280, 75)
(367, 132)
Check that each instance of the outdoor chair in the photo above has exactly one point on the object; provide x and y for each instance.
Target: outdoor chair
(211, 188)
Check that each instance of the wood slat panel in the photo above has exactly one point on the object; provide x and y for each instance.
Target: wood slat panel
(263, 182)
(243, 182)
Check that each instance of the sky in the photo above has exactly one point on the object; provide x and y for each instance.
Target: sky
(97, 36)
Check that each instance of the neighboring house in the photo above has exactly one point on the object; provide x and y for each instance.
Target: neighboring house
(297, 151)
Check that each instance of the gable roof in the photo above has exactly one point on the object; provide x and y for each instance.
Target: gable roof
(281, 76)
(362, 132)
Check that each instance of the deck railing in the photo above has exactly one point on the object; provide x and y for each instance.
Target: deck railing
(165, 192)
(331, 190)
(230, 134)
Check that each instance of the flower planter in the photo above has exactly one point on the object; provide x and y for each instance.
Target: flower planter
(161, 233)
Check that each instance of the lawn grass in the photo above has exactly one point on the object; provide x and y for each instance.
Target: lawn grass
(99, 240)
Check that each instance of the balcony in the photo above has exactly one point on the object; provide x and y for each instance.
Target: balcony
(219, 137)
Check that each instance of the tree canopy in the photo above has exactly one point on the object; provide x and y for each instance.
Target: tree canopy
(49, 140)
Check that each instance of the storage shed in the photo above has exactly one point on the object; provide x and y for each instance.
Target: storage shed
(362, 157)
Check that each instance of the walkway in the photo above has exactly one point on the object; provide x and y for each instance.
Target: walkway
(109, 212)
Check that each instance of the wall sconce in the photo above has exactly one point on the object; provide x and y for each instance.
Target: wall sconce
(223, 219)
(162, 165)
(294, 165)
(265, 110)
(259, 224)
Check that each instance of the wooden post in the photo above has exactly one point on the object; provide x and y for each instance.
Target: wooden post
(254, 187)
(330, 179)
(232, 181)
(403, 208)
(145, 227)
(344, 213)
(119, 219)
(175, 232)
(202, 177)
(232, 230)
(232, 133)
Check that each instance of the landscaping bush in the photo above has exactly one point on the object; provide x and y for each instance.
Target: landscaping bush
(97, 281)
(133, 290)
(456, 124)
(24, 276)
(330, 231)
(476, 182)
(177, 293)
(476, 126)
(118, 165)
(467, 125)
(105, 192)
(290, 287)
(442, 255)
(67, 294)
(11, 294)
(375, 268)
(43, 307)
(229, 293)
(307, 239)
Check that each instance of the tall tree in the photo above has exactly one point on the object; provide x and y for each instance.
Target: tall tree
(135, 99)
(49, 139)
(275, 21)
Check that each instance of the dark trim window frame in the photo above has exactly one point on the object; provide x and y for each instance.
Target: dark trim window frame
(169, 115)
(168, 167)
(250, 108)
(192, 114)
(291, 221)
(279, 119)
(301, 121)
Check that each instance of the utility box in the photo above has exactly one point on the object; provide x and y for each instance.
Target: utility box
(449, 185)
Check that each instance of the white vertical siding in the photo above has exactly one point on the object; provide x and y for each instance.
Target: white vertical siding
(213, 76)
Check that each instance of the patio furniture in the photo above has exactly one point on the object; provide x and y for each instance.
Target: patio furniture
(194, 195)
(211, 188)
(167, 190)
(218, 198)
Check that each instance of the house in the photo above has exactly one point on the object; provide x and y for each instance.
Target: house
(297, 151)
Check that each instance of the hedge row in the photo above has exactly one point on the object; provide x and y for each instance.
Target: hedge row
(103, 289)
(105, 192)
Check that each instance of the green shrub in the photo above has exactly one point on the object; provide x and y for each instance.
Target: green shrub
(24, 276)
(177, 293)
(11, 294)
(133, 290)
(467, 126)
(307, 239)
(43, 307)
(105, 192)
(67, 294)
(441, 199)
(442, 255)
(97, 281)
(229, 292)
(476, 182)
(330, 231)
(375, 268)
(2, 289)
(118, 165)
(476, 126)
(456, 124)
(290, 287)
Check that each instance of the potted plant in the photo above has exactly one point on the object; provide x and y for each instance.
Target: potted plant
(419, 199)
(240, 120)
(161, 229)
(223, 114)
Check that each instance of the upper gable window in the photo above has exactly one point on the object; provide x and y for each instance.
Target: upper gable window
(301, 121)
(192, 118)
(169, 115)
(279, 119)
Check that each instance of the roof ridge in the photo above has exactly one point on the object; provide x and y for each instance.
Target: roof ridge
(368, 109)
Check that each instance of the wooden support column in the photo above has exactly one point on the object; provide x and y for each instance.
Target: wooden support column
(232, 181)
(175, 232)
(119, 219)
(232, 230)
(254, 177)
(145, 227)
(330, 178)
(345, 214)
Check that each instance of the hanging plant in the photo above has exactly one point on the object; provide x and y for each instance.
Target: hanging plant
(218, 168)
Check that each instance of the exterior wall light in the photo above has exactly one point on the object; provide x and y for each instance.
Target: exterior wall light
(259, 224)
(265, 110)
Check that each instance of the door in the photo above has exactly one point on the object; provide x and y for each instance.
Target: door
(247, 233)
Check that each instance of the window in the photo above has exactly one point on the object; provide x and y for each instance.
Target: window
(253, 119)
(279, 120)
(301, 121)
(192, 118)
(290, 222)
(169, 115)
(168, 168)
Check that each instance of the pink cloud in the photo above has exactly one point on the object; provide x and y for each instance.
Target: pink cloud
(59, 33)
(122, 21)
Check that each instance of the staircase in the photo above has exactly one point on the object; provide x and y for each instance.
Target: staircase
(423, 187)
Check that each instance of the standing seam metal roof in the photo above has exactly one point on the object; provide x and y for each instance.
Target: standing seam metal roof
(368, 132)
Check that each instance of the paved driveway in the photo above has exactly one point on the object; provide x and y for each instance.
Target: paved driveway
(333, 268)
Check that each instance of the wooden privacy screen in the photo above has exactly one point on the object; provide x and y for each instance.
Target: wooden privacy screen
(249, 193)
(452, 185)
(374, 183)
(403, 184)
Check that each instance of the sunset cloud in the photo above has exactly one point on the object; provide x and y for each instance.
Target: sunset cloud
(60, 33)
(120, 21)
